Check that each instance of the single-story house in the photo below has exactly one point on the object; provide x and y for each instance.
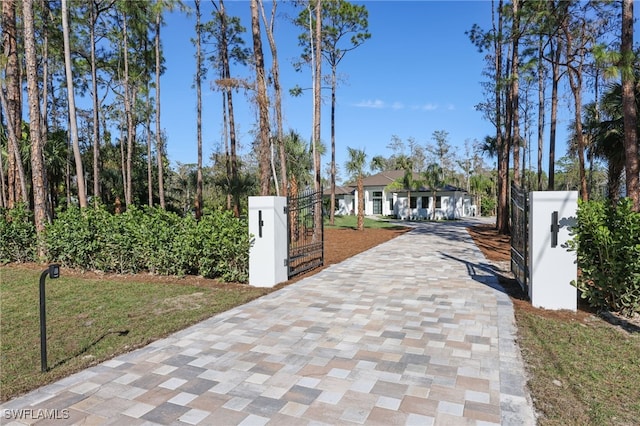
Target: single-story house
(344, 199)
(450, 202)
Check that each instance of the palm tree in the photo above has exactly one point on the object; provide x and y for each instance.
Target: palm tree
(299, 162)
(489, 147)
(378, 163)
(408, 181)
(432, 176)
(608, 142)
(355, 166)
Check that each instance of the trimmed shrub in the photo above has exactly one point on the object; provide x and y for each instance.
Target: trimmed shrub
(151, 240)
(77, 237)
(17, 235)
(223, 246)
(607, 244)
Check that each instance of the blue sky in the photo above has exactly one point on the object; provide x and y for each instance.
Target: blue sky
(419, 73)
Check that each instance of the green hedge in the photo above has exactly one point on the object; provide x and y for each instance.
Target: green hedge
(151, 240)
(138, 240)
(17, 235)
(607, 242)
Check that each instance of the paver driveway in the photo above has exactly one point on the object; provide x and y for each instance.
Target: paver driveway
(414, 331)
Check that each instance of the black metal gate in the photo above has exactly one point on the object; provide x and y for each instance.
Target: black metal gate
(520, 235)
(306, 232)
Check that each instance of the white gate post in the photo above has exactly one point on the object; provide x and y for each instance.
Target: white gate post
(551, 266)
(268, 230)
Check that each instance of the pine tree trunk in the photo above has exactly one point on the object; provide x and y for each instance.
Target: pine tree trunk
(198, 198)
(128, 102)
(45, 95)
(96, 117)
(318, 94)
(262, 101)
(159, 145)
(149, 156)
(275, 76)
(333, 144)
(17, 188)
(318, 101)
(575, 82)
(541, 87)
(235, 181)
(515, 108)
(73, 123)
(3, 188)
(37, 144)
(502, 209)
(629, 107)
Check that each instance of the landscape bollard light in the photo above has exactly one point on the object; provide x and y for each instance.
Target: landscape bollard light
(53, 272)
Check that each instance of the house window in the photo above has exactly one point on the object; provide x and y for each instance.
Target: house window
(438, 202)
(425, 202)
(391, 204)
(413, 202)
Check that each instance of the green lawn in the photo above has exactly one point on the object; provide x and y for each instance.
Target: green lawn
(581, 372)
(91, 320)
(351, 221)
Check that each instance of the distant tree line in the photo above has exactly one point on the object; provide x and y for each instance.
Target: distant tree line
(532, 49)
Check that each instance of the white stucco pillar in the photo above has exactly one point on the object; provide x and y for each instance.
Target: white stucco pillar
(268, 230)
(551, 266)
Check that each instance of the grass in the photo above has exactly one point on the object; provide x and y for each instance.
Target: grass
(91, 320)
(351, 221)
(581, 372)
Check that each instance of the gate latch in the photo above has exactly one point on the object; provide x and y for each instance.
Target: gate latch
(555, 228)
(260, 223)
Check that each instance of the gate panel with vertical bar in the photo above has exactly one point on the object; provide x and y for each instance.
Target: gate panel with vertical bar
(520, 235)
(306, 232)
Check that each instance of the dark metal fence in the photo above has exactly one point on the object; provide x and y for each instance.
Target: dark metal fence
(306, 232)
(520, 235)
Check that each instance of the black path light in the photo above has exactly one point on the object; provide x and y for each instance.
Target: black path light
(53, 272)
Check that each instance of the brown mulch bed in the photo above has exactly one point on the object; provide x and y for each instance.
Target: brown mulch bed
(340, 244)
(497, 249)
(343, 243)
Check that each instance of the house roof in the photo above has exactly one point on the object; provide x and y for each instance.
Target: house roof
(383, 178)
(340, 190)
(389, 176)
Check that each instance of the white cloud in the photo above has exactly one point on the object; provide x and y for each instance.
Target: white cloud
(451, 107)
(429, 107)
(397, 105)
(371, 104)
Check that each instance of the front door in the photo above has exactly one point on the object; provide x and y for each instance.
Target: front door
(377, 206)
(377, 202)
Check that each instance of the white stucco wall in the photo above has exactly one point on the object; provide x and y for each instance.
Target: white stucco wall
(449, 209)
(551, 269)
